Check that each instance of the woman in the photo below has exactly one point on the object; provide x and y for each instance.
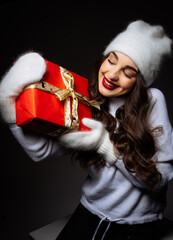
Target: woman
(128, 152)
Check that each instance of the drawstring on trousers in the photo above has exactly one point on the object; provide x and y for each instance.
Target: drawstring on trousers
(95, 233)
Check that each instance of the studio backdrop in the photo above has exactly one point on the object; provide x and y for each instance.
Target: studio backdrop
(35, 194)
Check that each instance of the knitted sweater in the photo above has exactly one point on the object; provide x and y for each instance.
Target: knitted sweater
(112, 192)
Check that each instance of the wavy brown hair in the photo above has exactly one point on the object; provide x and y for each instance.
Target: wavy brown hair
(133, 139)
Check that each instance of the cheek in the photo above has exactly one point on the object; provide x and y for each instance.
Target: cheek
(99, 79)
(128, 83)
(101, 73)
(104, 67)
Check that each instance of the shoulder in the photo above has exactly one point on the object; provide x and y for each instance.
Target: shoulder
(158, 106)
(156, 93)
(157, 96)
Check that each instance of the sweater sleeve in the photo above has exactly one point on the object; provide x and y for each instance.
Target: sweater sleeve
(38, 147)
(158, 117)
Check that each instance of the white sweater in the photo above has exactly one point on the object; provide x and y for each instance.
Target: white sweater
(112, 192)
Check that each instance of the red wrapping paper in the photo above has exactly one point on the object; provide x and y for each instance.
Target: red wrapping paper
(43, 112)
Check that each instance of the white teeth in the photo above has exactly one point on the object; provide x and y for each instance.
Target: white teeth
(109, 84)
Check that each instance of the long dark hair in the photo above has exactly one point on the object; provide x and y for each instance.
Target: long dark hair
(133, 139)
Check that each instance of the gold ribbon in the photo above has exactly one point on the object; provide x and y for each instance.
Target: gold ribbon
(71, 120)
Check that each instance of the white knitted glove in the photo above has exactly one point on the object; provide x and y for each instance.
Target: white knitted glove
(96, 139)
(28, 69)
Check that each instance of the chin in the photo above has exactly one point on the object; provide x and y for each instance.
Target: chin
(107, 93)
(103, 92)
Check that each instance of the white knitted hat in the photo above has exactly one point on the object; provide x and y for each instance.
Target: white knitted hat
(145, 45)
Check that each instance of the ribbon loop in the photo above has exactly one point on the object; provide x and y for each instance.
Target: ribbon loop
(69, 82)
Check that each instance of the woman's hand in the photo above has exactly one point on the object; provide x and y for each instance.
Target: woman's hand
(28, 69)
(96, 139)
(85, 140)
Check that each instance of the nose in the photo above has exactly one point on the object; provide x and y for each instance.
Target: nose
(113, 75)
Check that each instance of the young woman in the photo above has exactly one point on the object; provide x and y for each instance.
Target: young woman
(129, 151)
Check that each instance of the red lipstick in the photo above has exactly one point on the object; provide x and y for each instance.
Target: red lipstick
(108, 84)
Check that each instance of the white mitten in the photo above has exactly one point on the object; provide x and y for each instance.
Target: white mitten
(28, 69)
(96, 139)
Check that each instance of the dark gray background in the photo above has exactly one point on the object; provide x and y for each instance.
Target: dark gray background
(73, 36)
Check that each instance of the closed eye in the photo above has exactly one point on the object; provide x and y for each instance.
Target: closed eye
(113, 58)
(129, 76)
(130, 72)
(111, 62)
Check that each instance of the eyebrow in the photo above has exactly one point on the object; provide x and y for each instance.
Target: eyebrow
(133, 69)
(130, 67)
(115, 55)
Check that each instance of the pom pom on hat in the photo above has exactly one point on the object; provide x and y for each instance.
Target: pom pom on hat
(145, 45)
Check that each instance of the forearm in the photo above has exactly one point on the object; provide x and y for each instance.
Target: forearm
(38, 147)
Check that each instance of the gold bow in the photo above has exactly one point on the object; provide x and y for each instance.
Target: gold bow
(71, 120)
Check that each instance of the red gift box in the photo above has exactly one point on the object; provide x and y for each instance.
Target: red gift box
(55, 105)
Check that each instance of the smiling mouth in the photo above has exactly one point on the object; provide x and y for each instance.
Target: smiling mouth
(108, 84)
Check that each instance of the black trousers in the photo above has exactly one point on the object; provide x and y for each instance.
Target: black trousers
(83, 225)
